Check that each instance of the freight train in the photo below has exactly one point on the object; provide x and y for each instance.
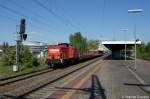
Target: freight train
(65, 53)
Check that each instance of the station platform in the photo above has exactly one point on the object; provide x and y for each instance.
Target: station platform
(108, 79)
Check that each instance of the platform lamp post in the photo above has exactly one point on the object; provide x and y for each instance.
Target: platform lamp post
(125, 46)
(134, 11)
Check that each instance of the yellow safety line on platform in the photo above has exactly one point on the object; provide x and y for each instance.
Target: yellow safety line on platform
(82, 81)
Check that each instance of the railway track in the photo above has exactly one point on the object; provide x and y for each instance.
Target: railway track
(5, 81)
(15, 76)
(20, 88)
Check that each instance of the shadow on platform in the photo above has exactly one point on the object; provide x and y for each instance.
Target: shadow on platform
(140, 85)
(96, 90)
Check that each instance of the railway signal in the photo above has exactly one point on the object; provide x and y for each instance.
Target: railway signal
(24, 36)
(22, 30)
(22, 26)
(21, 36)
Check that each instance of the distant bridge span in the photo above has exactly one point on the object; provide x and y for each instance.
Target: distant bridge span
(119, 45)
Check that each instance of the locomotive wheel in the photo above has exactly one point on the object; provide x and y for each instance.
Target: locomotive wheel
(51, 65)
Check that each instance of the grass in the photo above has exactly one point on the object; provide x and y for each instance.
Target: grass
(8, 70)
(145, 56)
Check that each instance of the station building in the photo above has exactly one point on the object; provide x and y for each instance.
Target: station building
(39, 49)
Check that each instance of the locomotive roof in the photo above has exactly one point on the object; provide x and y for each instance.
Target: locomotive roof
(67, 44)
(62, 45)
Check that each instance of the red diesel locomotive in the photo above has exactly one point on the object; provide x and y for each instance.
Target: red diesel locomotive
(65, 53)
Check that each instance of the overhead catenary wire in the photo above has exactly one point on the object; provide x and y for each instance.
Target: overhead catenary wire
(38, 18)
(28, 25)
(8, 17)
(103, 16)
(31, 11)
(22, 15)
(54, 14)
(11, 10)
(35, 19)
(15, 20)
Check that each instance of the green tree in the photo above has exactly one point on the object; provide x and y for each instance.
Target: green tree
(78, 41)
(5, 46)
(147, 48)
(93, 44)
(27, 59)
(143, 51)
(8, 55)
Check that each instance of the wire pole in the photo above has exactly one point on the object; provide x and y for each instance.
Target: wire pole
(135, 65)
(125, 45)
(125, 52)
(135, 11)
(17, 52)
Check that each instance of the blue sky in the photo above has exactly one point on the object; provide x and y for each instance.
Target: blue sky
(95, 19)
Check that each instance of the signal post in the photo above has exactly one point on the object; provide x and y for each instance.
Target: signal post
(20, 37)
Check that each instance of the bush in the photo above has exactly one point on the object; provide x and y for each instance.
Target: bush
(27, 65)
(35, 62)
(28, 59)
(8, 56)
(42, 60)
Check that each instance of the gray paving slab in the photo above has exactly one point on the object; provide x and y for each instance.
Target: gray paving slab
(118, 81)
(143, 70)
(115, 82)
